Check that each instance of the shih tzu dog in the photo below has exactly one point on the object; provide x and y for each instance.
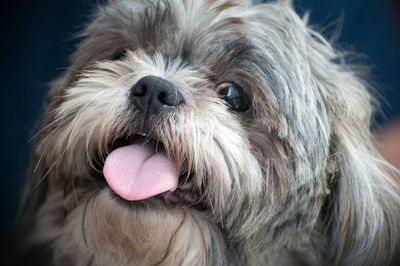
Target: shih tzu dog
(200, 132)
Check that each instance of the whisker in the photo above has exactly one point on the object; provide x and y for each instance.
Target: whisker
(44, 128)
(49, 170)
(45, 148)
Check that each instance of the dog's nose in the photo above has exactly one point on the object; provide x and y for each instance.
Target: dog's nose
(153, 95)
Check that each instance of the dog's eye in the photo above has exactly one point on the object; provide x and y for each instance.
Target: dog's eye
(234, 96)
(119, 54)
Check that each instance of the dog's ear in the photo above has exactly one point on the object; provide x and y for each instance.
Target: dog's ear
(365, 195)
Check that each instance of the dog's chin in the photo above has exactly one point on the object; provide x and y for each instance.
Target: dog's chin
(185, 195)
(152, 232)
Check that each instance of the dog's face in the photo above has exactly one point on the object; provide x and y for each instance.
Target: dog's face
(218, 126)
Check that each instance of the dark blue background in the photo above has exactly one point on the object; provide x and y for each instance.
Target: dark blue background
(36, 39)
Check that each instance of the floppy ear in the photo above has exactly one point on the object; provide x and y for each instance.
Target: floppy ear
(363, 209)
(365, 195)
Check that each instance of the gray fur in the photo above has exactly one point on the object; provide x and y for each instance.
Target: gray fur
(295, 180)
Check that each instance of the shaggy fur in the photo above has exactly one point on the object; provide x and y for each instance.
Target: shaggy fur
(294, 180)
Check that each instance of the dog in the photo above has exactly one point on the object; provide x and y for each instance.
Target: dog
(208, 133)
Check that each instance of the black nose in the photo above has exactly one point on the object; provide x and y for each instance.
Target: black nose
(153, 95)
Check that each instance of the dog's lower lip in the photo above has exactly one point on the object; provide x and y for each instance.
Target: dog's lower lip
(178, 198)
(183, 197)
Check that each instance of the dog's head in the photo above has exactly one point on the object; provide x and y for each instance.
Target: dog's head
(235, 132)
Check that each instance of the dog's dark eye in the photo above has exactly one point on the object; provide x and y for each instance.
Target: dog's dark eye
(234, 96)
(119, 54)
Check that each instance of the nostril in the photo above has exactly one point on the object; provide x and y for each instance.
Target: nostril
(162, 98)
(139, 90)
(169, 98)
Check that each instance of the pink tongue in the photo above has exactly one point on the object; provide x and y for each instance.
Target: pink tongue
(135, 172)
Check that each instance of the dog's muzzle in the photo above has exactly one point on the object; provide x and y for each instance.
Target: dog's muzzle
(139, 168)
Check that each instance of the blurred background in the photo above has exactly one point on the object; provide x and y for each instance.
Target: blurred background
(37, 38)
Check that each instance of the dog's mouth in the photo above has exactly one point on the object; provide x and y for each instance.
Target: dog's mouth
(138, 169)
